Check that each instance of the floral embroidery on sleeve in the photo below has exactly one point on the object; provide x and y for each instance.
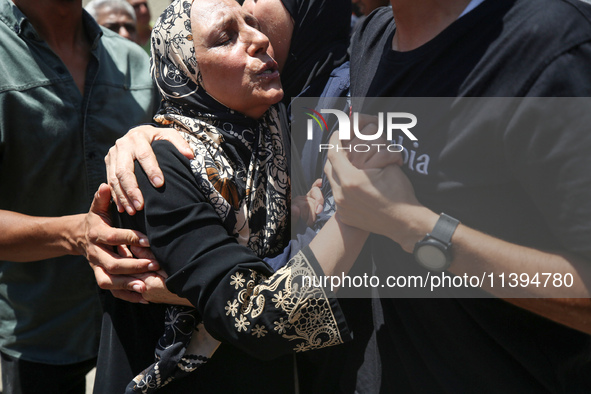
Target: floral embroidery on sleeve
(299, 312)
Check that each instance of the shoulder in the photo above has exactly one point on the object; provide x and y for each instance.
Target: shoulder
(561, 21)
(373, 27)
(113, 42)
(120, 55)
(546, 33)
(369, 39)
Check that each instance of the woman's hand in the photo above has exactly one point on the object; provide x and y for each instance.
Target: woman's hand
(156, 290)
(379, 200)
(378, 156)
(307, 208)
(136, 145)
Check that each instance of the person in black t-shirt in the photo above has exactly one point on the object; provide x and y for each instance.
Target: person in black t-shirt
(522, 192)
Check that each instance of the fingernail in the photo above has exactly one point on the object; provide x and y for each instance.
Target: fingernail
(318, 209)
(137, 288)
(137, 205)
(144, 242)
(157, 181)
(142, 301)
(129, 210)
(153, 267)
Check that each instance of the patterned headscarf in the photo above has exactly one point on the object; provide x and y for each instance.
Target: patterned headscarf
(240, 166)
(240, 163)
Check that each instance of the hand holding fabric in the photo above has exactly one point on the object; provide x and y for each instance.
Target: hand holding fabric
(111, 267)
(136, 145)
(306, 208)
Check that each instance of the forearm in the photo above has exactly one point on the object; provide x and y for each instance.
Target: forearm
(476, 253)
(337, 246)
(30, 238)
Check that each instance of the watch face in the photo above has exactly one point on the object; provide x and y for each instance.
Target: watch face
(431, 257)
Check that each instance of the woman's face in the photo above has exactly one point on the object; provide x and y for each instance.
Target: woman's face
(234, 57)
(276, 23)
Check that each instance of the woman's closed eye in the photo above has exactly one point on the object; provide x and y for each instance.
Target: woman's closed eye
(252, 21)
(224, 39)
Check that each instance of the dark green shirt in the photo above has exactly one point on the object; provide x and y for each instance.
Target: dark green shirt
(52, 144)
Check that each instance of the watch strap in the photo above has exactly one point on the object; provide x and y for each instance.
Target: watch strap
(444, 228)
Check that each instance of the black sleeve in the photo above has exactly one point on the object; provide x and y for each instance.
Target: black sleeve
(238, 296)
(548, 143)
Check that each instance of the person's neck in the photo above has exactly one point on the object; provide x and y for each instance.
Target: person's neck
(143, 33)
(419, 21)
(59, 23)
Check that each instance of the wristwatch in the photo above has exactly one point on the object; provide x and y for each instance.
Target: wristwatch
(434, 251)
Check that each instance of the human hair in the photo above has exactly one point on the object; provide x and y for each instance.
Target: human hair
(95, 6)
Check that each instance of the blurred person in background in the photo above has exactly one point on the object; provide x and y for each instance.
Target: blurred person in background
(144, 26)
(115, 15)
(366, 7)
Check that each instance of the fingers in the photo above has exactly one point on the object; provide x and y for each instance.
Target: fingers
(359, 157)
(120, 169)
(129, 296)
(317, 198)
(296, 212)
(115, 170)
(364, 120)
(137, 145)
(115, 264)
(102, 201)
(377, 153)
(157, 292)
(106, 235)
(305, 208)
(107, 281)
(177, 140)
(147, 159)
(300, 209)
(142, 253)
(383, 159)
(340, 166)
(152, 281)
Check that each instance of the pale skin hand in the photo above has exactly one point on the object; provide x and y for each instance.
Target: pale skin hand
(136, 145)
(156, 290)
(383, 201)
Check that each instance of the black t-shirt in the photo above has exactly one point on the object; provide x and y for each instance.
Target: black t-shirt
(527, 186)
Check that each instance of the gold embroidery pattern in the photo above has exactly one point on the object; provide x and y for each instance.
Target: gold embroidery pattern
(302, 313)
(259, 331)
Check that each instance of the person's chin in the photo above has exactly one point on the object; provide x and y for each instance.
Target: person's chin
(277, 95)
(272, 94)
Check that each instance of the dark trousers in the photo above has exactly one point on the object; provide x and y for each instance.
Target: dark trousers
(26, 377)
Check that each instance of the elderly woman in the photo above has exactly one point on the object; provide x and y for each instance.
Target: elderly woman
(219, 81)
